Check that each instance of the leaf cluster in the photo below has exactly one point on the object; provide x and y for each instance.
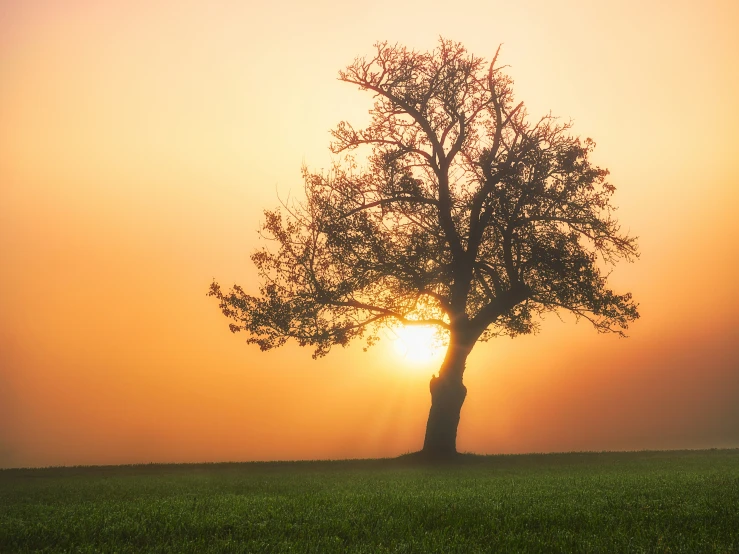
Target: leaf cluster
(466, 215)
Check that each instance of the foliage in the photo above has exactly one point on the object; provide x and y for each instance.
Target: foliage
(604, 502)
(466, 215)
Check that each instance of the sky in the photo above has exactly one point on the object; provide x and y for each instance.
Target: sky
(141, 141)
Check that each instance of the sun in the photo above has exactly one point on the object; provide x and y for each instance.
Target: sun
(417, 344)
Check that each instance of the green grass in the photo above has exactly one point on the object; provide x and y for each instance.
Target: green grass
(589, 502)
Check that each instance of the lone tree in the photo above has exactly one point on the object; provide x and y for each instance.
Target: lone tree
(465, 216)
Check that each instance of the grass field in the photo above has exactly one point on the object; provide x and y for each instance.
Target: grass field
(684, 501)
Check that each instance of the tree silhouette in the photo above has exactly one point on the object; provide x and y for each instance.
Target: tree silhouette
(464, 215)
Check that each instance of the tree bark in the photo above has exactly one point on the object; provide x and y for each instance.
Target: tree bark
(447, 396)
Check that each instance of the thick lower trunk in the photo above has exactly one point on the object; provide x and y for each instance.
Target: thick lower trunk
(447, 396)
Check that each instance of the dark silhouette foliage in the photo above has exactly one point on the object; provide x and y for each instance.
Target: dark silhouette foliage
(465, 214)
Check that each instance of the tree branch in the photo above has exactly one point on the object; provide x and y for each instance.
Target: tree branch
(384, 201)
(384, 312)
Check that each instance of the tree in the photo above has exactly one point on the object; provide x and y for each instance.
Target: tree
(464, 215)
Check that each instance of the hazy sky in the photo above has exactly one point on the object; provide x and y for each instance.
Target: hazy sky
(140, 142)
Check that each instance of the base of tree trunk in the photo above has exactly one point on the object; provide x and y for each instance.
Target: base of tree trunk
(447, 396)
(423, 458)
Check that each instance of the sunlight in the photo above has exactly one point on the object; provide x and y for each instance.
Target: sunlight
(417, 344)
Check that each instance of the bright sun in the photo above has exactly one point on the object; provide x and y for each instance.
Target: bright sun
(417, 344)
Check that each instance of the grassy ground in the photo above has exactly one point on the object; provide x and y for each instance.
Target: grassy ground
(599, 502)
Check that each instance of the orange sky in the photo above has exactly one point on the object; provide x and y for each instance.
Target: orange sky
(140, 141)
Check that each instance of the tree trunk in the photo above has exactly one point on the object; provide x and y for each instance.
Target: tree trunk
(447, 396)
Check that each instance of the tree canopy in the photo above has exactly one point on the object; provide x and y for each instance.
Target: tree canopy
(461, 212)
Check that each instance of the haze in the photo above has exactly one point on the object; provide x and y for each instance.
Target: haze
(140, 142)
